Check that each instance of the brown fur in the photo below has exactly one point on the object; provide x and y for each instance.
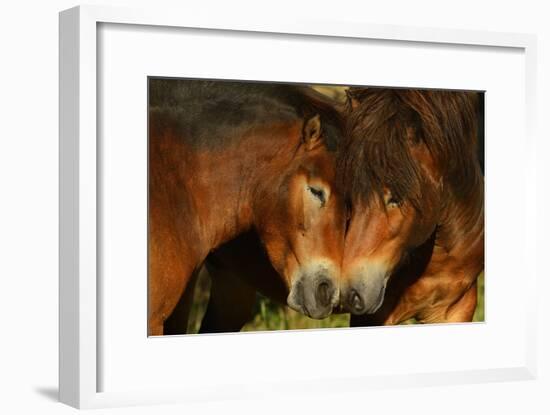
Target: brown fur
(204, 194)
(417, 148)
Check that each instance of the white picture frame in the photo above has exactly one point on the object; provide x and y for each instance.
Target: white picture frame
(80, 166)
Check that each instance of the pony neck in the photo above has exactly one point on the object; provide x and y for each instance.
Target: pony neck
(462, 216)
(226, 182)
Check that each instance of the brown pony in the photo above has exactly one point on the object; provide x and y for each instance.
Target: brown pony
(227, 158)
(411, 172)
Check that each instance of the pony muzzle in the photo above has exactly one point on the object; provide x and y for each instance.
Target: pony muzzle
(364, 294)
(314, 295)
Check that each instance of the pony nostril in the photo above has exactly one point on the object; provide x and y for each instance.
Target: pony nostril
(323, 294)
(296, 297)
(356, 302)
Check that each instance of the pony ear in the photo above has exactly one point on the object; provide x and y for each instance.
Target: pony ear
(312, 132)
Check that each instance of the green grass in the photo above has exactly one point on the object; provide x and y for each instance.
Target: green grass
(479, 314)
(200, 302)
(269, 315)
(272, 316)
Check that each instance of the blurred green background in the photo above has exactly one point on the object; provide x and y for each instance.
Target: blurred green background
(269, 315)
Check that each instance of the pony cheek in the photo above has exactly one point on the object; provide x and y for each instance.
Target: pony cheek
(279, 254)
(310, 216)
(398, 224)
(417, 234)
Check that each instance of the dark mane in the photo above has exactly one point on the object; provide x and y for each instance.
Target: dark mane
(386, 123)
(215, 113)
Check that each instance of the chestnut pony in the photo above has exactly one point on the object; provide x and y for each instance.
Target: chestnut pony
(228, 158)
(414, 245)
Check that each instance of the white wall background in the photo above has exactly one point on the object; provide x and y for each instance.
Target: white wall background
(29, 190)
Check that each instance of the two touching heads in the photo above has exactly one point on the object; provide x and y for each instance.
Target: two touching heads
(359, 208)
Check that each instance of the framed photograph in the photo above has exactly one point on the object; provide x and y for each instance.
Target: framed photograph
(256, 208)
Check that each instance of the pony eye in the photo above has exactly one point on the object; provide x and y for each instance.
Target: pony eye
(393, 202)
(318, 193)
